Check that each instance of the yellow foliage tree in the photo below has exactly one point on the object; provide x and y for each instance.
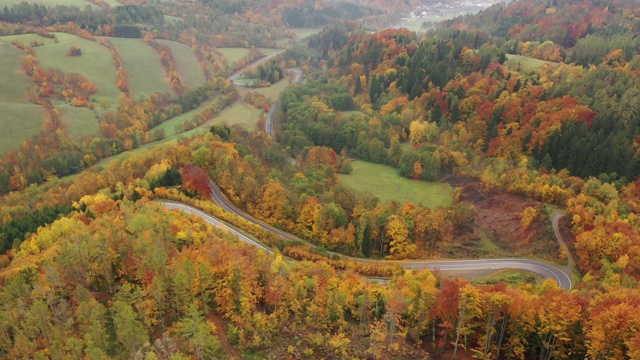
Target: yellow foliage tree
(527, 216)
(400, 247)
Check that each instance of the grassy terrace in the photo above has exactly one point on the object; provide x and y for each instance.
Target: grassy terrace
(20, 119)
(79, 3)
(189, 70)
(385, 182)
(145, 77)
(241, 113)
(95, 63)
(78, 121)
(232, 55)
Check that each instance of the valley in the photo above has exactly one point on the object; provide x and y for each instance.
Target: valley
(214, 179)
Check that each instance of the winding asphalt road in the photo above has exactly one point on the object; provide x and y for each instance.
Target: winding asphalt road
(555, 222)
(237, 74)
(172, 205)
(561, 276)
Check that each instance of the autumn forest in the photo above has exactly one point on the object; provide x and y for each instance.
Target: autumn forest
(525, 118)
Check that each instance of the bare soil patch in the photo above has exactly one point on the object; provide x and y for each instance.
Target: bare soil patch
(498, 230)
(436, 353)
(222, 335)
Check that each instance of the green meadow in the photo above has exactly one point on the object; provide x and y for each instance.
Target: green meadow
(350, 113)
(234, 54)
(302, 33)
(240, 113)
(169, 126)
(142, 65)
(78, 121)
(172, 19)
(189, 70)
(95, 63)
(113, 3)
(20, 119)
(386, 183)
(26, 38)
(19, 122)
(525, 62)
(272, 92)
(416, 23)
(13, 83)
(79, 3)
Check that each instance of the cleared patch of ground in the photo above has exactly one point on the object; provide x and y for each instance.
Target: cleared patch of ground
(229, 351)
(498, 229)
(302, 33)
(525, 62)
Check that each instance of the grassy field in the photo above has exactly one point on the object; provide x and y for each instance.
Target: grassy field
(13, 84)
(234, 54)
(189, 70)
(269, 51)
(79, 3)
(78, 121)
(272, 92)
(416, 24)
(245, 115)
(302, 33)
(348, 114)
(20, 120)
(525, 62)
(240, 113)
(95, 63)
(25, 38)
(145, 77)
(385, 182)
(172, 19)
(169, 126)
(113, 3)
(508, 276)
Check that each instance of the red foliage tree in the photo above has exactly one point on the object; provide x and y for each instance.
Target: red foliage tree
(195, 179)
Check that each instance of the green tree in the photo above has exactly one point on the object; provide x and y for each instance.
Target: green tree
(130, 333)
(199, 333)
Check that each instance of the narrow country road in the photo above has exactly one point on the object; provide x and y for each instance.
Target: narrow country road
(546, 270)
(237, 74)
(571, 263)
(297, 79)
(171, 205)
